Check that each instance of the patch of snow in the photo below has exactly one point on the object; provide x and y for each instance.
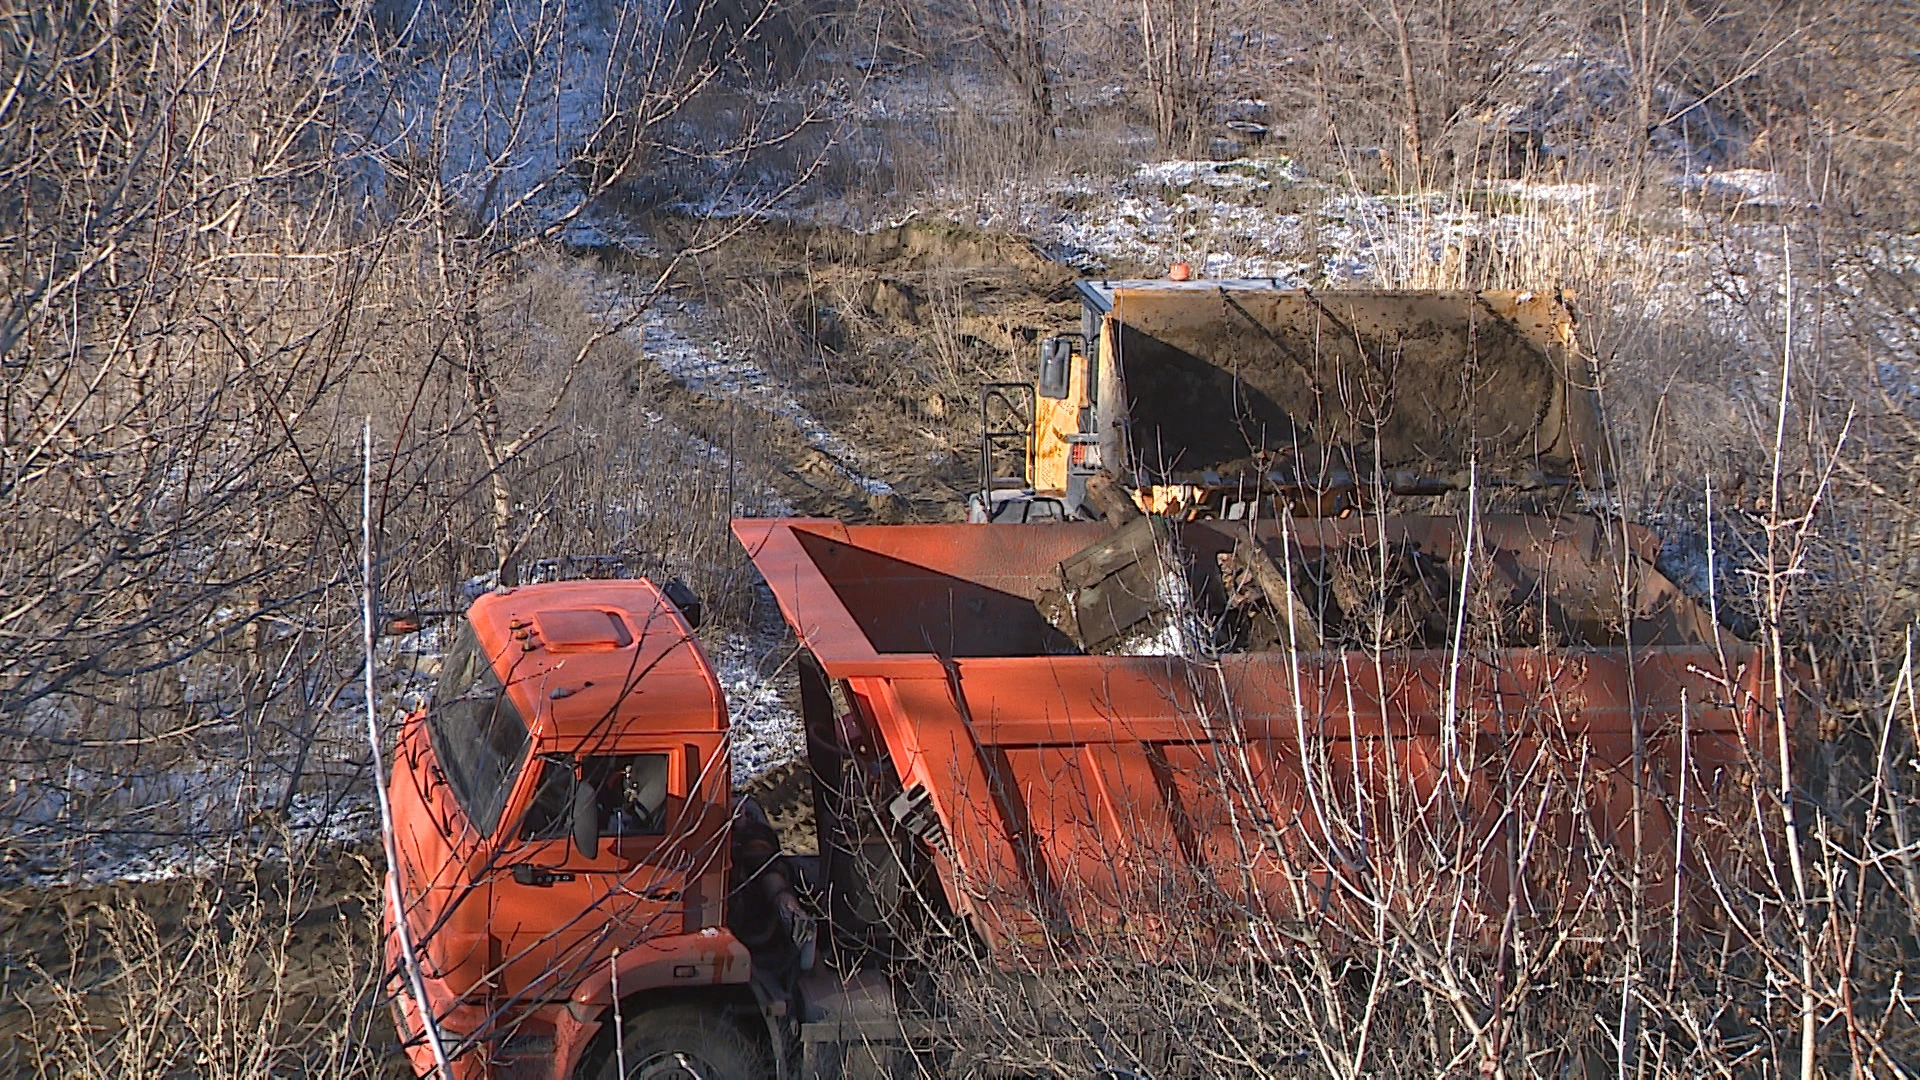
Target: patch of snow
(1230, 239)
(1175, 631)
(211, 819)
(594, 229)
(757, 671)
(1240, 173)
(1548, 192)
(502, 100)
(717, 370)
(764, 730)
(1747, 187)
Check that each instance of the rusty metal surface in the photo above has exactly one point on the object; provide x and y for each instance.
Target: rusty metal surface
(1079, 792)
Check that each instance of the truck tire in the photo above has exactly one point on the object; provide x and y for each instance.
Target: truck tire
(687, 1042)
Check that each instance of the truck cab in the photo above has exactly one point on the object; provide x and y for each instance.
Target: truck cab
(562, 817)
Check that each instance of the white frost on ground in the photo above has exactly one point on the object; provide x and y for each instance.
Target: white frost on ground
(1258, 217)
(1747, 187)
(505, 120)
(755, 670)
(720, 370)
(1228, 219)
(315, 821)
(596, 229)
(765, 730)
(1549, 192)
(1244, 174)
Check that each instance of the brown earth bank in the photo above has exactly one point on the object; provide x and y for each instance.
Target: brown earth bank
(258, 969)
(884, 338)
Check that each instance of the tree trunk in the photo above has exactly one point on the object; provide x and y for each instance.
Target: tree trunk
(1409, 94)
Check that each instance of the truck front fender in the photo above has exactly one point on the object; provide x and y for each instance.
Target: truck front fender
(712, 957)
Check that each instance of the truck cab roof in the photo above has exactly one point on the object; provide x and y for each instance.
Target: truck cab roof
(581, 656)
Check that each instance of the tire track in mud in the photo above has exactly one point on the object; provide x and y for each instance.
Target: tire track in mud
(706, 387)
(864, 410)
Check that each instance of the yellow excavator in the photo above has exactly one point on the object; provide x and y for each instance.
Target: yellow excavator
(1223, 398)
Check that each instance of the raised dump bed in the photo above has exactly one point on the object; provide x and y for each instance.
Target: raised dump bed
(1061, 794)
(1203, 397)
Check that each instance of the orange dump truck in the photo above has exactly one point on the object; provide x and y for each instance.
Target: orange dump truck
(588, 899)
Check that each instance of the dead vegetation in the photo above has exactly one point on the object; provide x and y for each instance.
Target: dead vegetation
(886, 336)
(217, 261)
(250, 971)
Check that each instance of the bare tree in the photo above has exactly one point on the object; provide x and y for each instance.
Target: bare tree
(1178, 39)
(1016, 36)
(228, 232)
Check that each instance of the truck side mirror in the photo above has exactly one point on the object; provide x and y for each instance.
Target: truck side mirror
(586, 819)
(1056, 360)
(685, 599)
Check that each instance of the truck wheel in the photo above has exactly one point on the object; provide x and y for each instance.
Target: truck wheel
(688, 1043)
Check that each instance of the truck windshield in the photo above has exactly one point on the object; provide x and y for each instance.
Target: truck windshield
(477, 733)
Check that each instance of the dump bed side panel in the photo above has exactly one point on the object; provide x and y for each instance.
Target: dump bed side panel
(1086, 785)
(1101, 796)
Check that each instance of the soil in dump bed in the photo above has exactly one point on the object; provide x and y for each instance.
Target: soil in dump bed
(1355, 592)
(785, 792)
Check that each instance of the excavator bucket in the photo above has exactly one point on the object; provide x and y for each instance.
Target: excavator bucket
(1212, 381)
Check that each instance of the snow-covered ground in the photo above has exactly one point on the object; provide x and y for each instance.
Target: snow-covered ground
(1260, 217)
(501, 100)
(1226, 218)
(1743, 187)
(756, 670)
(714, 368)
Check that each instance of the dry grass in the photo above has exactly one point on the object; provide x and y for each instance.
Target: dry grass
(253, 972)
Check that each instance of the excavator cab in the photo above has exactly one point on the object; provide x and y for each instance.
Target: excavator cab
(1228, 398)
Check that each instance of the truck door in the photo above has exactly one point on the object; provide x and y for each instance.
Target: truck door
(1060, 412)
(559, 910)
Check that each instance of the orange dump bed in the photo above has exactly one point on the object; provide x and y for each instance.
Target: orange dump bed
(1092, 794)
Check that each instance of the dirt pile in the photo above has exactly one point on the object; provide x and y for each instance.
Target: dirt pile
(883, 340)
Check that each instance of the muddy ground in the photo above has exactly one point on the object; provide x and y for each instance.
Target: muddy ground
(882, 339)
(81, 963)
